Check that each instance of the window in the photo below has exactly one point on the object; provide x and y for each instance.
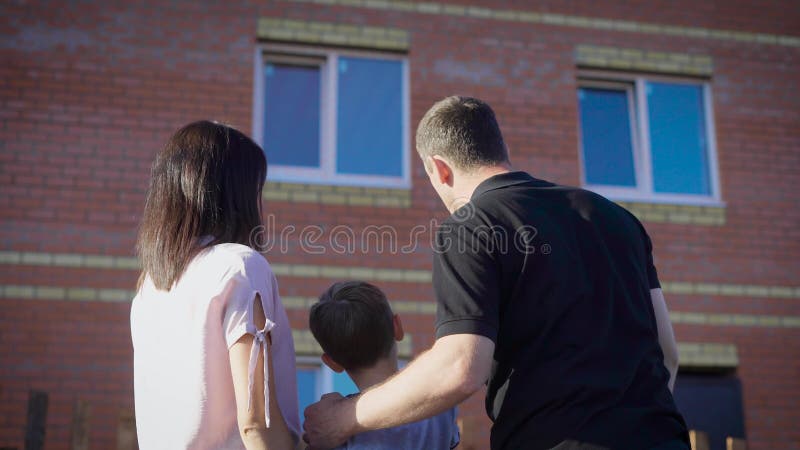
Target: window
(315, 380)
(648, 139)
(333, 117)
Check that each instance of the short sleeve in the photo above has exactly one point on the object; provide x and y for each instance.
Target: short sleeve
(241, 291)
(650, 267)
(466, 281)
(240, 295)
(652, 273)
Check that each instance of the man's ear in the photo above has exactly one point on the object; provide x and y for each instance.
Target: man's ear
(398, 328)
(331, 363)
(442, 171)
(427, 163)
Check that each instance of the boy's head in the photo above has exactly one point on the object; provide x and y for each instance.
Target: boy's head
(354, 325)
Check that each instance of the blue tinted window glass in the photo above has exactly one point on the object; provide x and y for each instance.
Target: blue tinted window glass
(343, 384)
(606, 137)
(370, 117)
(306, 389)
(678, 138)
(291, 116)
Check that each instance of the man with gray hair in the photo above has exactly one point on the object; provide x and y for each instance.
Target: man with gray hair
(558, 310)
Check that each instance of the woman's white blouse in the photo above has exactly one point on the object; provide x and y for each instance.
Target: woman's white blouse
(182, 378)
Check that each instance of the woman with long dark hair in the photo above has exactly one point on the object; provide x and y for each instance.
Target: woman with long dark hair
(213, 353)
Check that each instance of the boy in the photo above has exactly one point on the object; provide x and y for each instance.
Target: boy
(357, 330)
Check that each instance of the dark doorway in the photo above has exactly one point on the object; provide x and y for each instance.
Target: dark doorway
(712, 403)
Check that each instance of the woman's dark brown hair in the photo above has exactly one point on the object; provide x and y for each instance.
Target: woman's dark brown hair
(206, 181)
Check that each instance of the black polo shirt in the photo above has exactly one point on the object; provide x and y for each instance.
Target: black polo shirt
(559, 278)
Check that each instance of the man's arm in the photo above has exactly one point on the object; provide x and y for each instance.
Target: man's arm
(666, 338)
(453, 369)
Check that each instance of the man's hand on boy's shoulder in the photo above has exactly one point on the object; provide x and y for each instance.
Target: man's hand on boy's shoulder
(329, 423)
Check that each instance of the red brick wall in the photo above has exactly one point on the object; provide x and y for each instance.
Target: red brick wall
(89, 94)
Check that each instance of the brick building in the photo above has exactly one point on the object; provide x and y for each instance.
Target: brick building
(687, 113)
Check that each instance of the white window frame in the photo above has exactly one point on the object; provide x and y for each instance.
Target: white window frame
(329, 75)
(636, 86)
(324, 379)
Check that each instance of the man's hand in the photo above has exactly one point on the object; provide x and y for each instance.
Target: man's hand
(453, 369)
(329, 422)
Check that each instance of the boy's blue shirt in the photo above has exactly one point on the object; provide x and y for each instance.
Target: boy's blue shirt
(435, 433)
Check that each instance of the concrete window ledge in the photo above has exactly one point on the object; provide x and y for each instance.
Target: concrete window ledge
(337, 195)
(679, 214)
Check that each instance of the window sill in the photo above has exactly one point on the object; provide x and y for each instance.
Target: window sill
(711, 214)
(666, 208)
(337, 195)
(701, 355)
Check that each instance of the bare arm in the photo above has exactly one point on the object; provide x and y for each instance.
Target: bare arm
(452, 370)
(666, 337)
(252, 423)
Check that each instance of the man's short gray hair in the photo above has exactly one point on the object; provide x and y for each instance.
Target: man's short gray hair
(463, 130)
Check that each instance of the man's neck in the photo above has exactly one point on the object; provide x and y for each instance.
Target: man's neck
(468, 182)
(378, 373)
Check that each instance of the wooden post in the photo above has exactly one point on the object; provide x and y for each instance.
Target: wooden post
(37, 420)
(698, 439)
(126, 431)
(466, 430)
(732, 443)
(80, 426)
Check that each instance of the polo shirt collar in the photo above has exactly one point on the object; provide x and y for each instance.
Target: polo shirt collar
(506, 179)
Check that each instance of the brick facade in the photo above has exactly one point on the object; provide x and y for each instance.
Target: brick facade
(89, 93)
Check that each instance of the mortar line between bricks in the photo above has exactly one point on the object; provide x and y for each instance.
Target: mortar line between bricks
(413, 276)
(307, 345)
(299, 303)
(567, 20)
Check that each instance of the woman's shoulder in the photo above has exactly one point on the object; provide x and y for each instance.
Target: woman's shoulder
(237, 256)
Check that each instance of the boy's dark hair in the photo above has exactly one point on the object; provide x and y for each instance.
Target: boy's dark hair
(353, 324)
(463, 129)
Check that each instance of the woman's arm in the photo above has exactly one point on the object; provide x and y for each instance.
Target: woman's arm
(252, 421)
